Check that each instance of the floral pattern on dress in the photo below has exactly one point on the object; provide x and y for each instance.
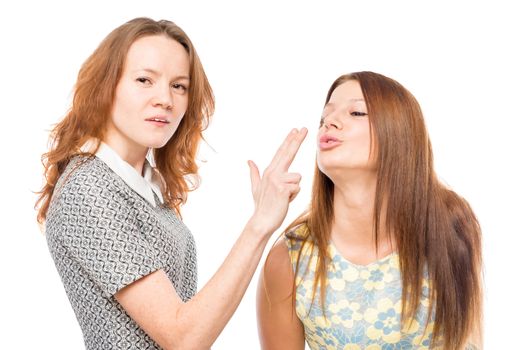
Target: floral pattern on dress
(363, 303)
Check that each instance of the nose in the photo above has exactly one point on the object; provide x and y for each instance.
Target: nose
(332, 121)
(163, 98)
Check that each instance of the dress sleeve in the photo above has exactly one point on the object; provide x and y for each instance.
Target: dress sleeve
(97, 226)
(295, 238)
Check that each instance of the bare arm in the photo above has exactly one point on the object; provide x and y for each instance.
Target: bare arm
(153, 302)
(278, 324)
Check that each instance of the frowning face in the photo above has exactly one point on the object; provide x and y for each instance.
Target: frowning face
(151, 97)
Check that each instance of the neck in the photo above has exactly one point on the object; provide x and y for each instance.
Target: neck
(354, 206)
(130, 151)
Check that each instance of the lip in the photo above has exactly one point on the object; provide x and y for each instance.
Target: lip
(327, 142)
(159, 120)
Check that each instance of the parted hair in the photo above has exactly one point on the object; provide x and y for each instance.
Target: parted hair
(93, 99)
(434, 228)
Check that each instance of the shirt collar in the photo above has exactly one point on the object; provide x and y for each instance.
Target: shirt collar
(145, 185)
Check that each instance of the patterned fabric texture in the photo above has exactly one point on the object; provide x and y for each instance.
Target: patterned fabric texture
(362, 305)
(103, 236)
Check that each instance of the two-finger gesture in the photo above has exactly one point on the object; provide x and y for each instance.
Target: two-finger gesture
(277, 187)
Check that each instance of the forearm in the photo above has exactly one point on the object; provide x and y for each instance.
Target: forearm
(207, 313)
(153, 302)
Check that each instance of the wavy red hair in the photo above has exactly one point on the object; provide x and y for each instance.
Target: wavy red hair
(93, 98)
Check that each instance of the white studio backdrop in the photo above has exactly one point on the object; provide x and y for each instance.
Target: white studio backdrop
(270, 64)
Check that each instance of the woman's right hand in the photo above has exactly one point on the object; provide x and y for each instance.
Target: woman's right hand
(153, 302)
(273, 192)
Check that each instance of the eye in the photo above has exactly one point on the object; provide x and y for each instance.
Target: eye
(358, 114)
(179, 87)
(144, 80)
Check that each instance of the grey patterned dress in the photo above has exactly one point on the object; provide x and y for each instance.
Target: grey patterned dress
(103, 236)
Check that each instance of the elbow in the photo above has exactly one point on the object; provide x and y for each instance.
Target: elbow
(184, 331)
(187, 343)
(186, 338)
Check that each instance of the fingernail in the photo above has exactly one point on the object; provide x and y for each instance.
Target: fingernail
(294, 131)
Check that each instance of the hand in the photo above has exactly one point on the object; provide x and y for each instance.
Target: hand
(277, 188)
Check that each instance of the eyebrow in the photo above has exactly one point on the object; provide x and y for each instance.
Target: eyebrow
(152, 71)
(350, 100)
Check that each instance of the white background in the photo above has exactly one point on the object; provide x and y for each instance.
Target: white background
(270, 65)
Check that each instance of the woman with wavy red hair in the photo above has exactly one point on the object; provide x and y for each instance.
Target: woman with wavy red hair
(120, 166)
(386, 257)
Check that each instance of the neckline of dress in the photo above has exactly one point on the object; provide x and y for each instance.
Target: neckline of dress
(361, 266)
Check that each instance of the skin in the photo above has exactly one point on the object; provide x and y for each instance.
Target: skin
(154, 83)
(152, 301)
(352, 168)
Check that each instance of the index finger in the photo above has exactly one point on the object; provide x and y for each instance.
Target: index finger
(288, 150)
(280, 151)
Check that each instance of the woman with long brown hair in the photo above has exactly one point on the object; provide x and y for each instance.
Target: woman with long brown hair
(120, 166)
(386, 257)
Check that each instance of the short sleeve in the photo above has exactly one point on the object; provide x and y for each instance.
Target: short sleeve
(95, 225)
(295, 239)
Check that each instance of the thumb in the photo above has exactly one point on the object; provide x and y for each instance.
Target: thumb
(255, 175)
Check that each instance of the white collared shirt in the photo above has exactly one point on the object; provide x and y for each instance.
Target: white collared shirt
(145, 185)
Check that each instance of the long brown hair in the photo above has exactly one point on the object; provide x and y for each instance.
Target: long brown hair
(93, 98)
(433, 227)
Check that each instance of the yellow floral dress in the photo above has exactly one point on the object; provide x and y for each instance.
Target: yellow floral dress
(363, 303)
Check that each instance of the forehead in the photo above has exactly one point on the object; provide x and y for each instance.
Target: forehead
(348, 91)
(158, 52)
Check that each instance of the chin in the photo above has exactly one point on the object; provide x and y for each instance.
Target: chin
(327, 164)
(328, 169)
(335, 168)
(156, 143)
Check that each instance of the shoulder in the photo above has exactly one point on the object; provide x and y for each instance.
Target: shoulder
(297, 236)
(82, 170)
(279, 267)
(87, 188)
(88, 176)
(278, 257)
(299, 243)
(298, 233)
(277, 274)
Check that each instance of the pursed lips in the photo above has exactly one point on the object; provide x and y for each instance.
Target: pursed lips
(327, 141)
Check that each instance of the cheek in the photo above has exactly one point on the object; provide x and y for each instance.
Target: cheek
(363, 140)
(123, 103)
(181, 107)
(120, 114)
